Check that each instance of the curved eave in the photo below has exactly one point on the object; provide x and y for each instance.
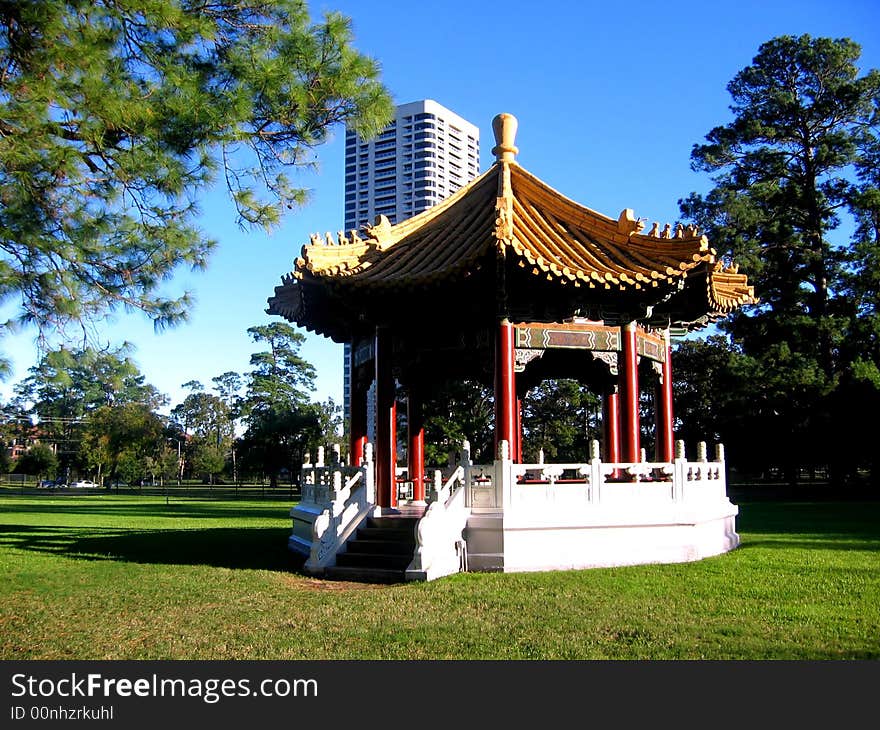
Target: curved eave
(549, 236)
(287, 301)
(729, 290)
(421, 248)
(709, 295)
(559, 238)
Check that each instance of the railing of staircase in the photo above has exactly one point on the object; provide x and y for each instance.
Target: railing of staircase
(345, 496)
(440, 545)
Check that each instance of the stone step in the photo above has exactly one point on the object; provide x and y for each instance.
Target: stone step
(405, 535)
(380, 547)
(397, 561)
(365, 575)
(393, 522)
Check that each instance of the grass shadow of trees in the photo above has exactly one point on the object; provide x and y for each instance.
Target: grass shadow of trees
(250, 548)
(834, 523)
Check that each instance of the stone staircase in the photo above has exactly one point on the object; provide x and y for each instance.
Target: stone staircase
(381, 550)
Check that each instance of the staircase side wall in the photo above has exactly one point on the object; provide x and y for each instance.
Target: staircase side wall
(484, 536)
(303, 516)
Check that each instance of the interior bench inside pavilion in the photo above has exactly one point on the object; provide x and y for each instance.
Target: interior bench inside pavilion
(510, 282)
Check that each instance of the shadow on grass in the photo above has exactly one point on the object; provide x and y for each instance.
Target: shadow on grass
(197, 509)
(258, 548)
(841, 543)
(839, 525)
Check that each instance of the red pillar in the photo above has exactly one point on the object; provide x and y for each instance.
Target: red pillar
(665, 436)
(505, 388)
(611, 425)
(357, 417)
(386, 426)
(416, 451)
(629, 396)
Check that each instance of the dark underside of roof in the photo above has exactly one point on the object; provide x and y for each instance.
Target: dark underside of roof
(344, 308)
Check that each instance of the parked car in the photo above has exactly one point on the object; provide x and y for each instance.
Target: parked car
(53, 483)
(83, 484)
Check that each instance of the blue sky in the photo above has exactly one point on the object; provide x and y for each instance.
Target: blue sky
(610, 99)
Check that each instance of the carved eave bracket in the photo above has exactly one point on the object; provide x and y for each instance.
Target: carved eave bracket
(523, 356)
(608, 358)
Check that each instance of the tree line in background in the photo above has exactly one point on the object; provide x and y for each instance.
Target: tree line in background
(91, 413)
(102, 166)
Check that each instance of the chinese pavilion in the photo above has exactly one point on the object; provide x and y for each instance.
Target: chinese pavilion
(509, 282)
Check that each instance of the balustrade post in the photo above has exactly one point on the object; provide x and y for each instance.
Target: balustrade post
(337, 502)
(679, 472)
(438, 484)
(502, 481)
(722, 470)
(595, 472)
(466, 464)
(369, 473)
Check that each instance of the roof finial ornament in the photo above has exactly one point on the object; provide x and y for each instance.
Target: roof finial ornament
(504, 126)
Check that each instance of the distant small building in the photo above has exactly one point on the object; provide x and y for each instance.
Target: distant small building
(33, 435)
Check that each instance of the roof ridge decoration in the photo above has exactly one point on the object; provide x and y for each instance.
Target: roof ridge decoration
(504, 127)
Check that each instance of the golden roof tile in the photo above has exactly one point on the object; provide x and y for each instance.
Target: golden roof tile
(513, 214)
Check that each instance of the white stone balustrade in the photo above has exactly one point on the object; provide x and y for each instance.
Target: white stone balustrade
(335, 499)
(504, 484)
(440, 545)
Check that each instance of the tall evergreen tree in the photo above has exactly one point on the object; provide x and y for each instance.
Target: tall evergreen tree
(281, 377)
(114, 117)
(281, 421)
(783, 172)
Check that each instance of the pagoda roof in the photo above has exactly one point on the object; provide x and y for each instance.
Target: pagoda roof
(510, 214)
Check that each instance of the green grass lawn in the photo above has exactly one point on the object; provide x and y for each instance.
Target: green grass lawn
(104, 576)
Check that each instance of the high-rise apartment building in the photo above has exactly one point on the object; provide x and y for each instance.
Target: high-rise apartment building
(423, 156)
